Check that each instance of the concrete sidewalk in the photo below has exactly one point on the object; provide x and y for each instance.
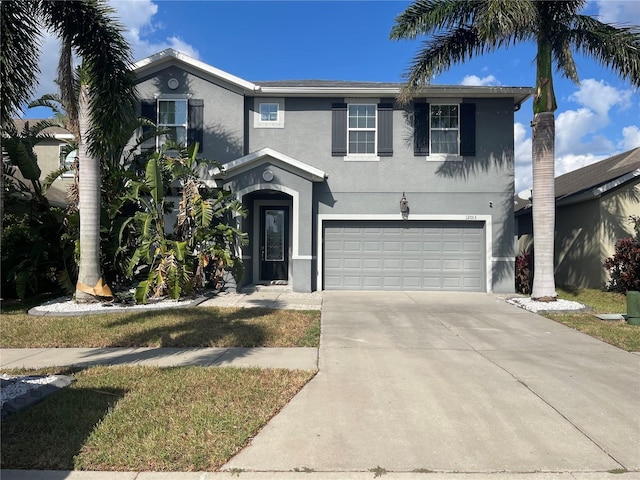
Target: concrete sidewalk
(290, 358)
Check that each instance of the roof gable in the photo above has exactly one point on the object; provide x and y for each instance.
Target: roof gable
(169, 56)
(264, 155)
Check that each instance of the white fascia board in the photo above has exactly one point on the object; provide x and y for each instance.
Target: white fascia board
(248, 161)
(519, 94)
(329, 91)
(169, 54)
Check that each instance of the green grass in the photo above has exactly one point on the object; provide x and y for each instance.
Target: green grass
(146, 418)
(173, 327)
(617, 333)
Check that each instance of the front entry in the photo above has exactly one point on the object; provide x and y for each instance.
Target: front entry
(274, 243)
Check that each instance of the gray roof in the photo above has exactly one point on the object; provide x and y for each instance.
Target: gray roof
(19, 123)
(601, 175)
(597, 174)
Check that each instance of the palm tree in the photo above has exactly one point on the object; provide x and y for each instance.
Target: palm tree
(107, 103)
(460, 29)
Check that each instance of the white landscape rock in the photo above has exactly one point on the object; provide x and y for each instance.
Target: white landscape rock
(559, 305)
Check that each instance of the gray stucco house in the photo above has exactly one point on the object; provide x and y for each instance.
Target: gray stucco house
(345, 188)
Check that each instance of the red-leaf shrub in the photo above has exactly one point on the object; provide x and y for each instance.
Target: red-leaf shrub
(524, 273)
(624, 266)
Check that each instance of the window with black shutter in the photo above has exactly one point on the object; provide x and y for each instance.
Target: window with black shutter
(181, 119)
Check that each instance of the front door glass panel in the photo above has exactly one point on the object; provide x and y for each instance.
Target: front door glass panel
(274, 236)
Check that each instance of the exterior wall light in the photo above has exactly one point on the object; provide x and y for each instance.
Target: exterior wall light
(404, 207)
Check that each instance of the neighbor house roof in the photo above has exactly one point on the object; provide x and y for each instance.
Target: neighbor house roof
(595, 179)
(57, 132)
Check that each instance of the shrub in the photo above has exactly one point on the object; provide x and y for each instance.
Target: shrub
(624, 266)
(524, 273)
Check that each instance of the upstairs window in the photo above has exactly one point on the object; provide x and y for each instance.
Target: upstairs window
(172, 116)
(444, 131)
(182, 117)
(362, 129)
(268, 112)
(445, 122)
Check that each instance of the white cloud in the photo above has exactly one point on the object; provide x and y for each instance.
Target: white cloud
(619, 11)
(630, 137)
(581, 137)
(137, 19)
(522, 145)
(568, 163)
(600, 96)
(474, 80)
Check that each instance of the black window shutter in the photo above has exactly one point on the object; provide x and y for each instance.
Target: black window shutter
(421, 129)
(468, 129)
(148, 110)
(385, 129)
(195, 127)
(339, 129)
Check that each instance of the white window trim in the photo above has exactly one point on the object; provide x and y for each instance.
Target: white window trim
(362, 157)
(257, 117)
(444, 157)
(172, 98)
(363, 129)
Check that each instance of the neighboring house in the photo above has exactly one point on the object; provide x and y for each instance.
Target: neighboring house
(322, 168)
(593, 206)
(51, 157)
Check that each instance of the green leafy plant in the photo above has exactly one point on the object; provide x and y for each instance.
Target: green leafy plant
(624, 265)
(37, 238)
(177, 260)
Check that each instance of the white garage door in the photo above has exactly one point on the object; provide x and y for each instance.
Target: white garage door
(409, 255)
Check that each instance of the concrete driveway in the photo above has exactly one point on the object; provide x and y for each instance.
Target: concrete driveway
(454, 382)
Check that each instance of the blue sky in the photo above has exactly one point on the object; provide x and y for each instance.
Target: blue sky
(349, 40)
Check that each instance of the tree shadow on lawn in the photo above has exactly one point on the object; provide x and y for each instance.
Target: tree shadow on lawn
(196, 327)
(49, 434)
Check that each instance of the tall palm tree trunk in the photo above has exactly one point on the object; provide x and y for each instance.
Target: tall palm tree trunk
(544, 206)
(543, 156)
(89, 203)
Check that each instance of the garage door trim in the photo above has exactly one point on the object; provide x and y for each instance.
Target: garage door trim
(485, 219)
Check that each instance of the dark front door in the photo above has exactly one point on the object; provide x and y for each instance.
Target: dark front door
(274, 243)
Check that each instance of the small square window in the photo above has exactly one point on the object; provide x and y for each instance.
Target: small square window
(268, 112)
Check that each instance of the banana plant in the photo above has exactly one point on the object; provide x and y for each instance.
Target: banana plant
(199, 248)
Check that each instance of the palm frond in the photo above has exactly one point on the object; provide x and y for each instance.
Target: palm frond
(52, 177)
(98, 40)
(459, 30)
(19, 53)
(617, 48)
(427, 16)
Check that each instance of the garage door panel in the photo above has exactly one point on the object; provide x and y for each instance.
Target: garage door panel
(417, 255)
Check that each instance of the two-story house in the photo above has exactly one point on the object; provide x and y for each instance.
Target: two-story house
(346, 188)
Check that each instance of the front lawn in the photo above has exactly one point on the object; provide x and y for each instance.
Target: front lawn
(146, 418)
(618, 333)
(173, 327)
